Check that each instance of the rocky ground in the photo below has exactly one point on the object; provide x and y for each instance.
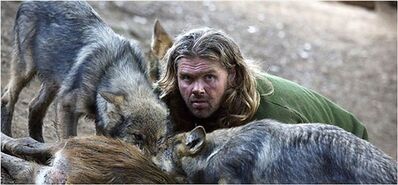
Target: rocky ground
(346, 53)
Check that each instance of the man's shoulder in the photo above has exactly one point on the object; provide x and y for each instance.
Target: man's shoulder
(275, 99)
(291, 101)
(264, 85)
(271, 85)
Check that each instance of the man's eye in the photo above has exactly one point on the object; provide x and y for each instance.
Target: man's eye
(185, 77)
(210, 77)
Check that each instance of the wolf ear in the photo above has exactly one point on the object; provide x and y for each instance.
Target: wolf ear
(161, 41)
(113, 98)
(195, 140)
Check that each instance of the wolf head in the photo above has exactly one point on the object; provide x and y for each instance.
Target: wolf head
(140, 120)
(126, 105)
(175, 150)
(129, 109)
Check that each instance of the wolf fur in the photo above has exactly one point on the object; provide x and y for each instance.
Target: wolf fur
(89, 69)
(267, 151)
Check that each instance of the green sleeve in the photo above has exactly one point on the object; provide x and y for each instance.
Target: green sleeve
(289, 102)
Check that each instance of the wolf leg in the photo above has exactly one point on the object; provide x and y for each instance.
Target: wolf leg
(22, 68)
(21, 170)
(67, 114)
(37, 110)
(27, 148)
(19, 79)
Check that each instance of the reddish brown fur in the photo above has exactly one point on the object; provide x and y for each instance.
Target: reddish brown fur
(103, 160)
(94, 159)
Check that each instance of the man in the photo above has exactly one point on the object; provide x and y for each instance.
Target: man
(208, 82)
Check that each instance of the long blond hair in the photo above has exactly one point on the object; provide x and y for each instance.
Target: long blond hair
(241, 97)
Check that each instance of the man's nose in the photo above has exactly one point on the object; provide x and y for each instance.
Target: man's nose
(198, 88)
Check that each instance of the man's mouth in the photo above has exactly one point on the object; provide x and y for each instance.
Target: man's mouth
(199, 104)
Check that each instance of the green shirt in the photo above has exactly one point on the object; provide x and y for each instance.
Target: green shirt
(289, 102)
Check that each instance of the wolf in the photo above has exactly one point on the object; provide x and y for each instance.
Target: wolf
(81, 160)
(87, 68)
(267, 151)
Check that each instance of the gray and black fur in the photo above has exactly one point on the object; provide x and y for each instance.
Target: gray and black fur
(88, 68)
(267, 151)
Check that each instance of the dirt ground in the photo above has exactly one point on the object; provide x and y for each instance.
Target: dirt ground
(347, 53)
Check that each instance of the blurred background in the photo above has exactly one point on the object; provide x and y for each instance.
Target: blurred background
(345, 51)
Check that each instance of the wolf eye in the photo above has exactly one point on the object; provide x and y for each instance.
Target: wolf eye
(138, 137)
(160, 141)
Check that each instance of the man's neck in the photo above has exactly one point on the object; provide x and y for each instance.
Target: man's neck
(210, 123)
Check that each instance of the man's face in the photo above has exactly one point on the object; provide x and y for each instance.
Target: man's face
(202, 84)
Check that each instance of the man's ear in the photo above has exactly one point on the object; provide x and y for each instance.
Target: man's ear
(161, 41)
(195, 140)
(232, 76)
(116, 99)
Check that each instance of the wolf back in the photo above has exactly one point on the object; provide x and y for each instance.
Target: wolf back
(267, 151)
